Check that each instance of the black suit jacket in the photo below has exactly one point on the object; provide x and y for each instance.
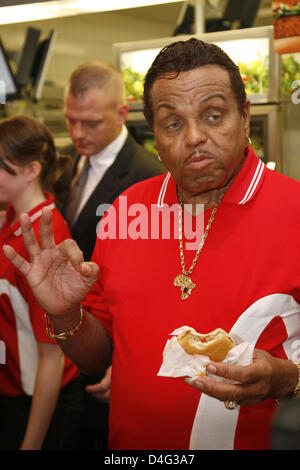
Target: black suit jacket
(133, 163)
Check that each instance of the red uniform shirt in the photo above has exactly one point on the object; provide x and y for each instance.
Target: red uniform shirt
(247, 281)
(21, 318)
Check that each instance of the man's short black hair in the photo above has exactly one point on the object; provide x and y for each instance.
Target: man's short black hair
(182, 56)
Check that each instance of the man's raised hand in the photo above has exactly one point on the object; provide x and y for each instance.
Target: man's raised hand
(57, 274)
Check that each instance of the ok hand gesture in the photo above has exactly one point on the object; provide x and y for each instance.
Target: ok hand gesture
(57, 275)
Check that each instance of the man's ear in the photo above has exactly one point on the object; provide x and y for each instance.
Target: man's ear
(246, 117)
(33, 170)
(122, 113)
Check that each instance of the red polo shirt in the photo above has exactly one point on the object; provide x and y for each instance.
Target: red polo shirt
(22, 319)
(247, 281)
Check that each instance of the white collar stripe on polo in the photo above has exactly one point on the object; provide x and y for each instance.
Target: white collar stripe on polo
(163, 190)
(254, 183)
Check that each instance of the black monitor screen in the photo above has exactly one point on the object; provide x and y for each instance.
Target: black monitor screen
(8, 86)
(41, 64)
(244, 11)
(26, 58)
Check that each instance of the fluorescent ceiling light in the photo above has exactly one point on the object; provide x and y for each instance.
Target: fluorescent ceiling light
(60, 8)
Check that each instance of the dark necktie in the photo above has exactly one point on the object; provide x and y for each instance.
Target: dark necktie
(76, 192)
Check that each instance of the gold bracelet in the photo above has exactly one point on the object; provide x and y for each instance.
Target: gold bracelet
(65, 335)
(296, 391)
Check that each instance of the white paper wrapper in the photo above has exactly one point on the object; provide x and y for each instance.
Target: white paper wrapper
(178, 363)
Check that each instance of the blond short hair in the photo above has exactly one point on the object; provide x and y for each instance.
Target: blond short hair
(97, 74)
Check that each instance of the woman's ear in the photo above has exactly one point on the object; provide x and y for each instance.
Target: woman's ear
(33, 170)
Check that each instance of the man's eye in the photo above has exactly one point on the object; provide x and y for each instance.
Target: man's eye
(173, 125)
(91, 124)
(214, 117)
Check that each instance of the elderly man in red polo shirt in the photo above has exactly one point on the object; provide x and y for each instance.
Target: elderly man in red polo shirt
(243, 277)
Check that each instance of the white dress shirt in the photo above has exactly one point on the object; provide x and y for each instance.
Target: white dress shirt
(99, 164)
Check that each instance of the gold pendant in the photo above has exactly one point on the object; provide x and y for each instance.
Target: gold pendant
(185, 284)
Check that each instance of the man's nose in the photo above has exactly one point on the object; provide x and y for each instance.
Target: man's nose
(77, 130)
(194, 133)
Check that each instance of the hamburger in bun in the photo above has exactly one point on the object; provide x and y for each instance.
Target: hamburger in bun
(286, 15)
(215, 344)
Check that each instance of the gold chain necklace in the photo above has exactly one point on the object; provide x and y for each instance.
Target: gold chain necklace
(183, 281)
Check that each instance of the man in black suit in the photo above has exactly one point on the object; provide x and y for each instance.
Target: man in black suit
(107, 161)
(95, 110)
